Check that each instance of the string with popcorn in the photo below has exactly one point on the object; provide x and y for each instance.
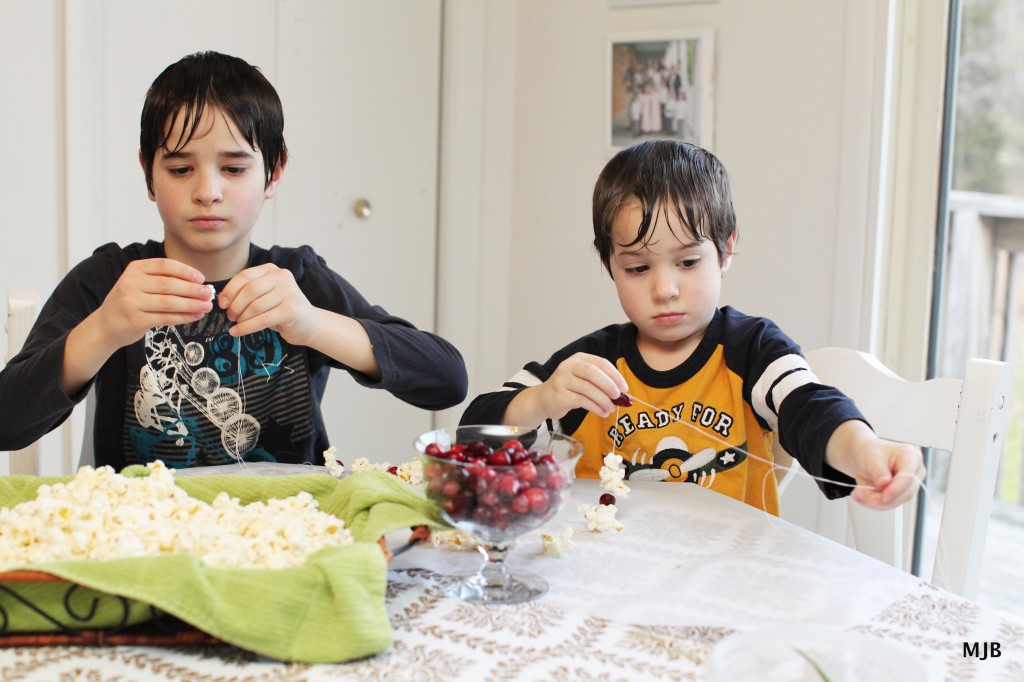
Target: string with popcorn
(599, 518)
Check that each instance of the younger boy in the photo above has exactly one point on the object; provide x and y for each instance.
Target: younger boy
(205, 348)
(707, 385)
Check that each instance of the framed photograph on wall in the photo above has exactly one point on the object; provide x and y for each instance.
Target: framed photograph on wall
(660, 86)
(644, 3)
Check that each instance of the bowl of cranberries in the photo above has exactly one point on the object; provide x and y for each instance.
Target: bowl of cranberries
(497, 483)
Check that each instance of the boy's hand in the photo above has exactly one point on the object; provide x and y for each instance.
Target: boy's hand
(152, 293)
(267, 297)
(889, 472)
(581, 380)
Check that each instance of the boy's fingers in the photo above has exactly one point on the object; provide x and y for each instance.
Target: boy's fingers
(171, 268)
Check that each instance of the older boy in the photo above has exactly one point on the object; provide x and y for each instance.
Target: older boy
(707, 386)
(206, 348)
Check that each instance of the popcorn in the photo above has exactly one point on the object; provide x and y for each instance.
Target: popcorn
(363, 464)
(411, 472)
(103, 515)
(556, 544)
(453, 540)
(613, 474)
(334, 467)
(601, 517)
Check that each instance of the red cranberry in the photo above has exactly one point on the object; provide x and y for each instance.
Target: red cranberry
(478, 448)
(507, 485)
(607, 498)
(519, 456)
(451, 489)
(393, 471)
(526, 471)
(555, 480)
(623, 400)
(500, 458)
(521, 503)
(434, 450)
(482, 515)
(539, 499)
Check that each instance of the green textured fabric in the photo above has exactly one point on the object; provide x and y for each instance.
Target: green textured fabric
(331, 609)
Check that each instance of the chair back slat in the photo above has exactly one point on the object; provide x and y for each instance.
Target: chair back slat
(965, 417)
(21, 314)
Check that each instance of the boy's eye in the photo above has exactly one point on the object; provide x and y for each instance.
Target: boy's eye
(234, 170)
(178, 170)
(636, 269)
(689, 262)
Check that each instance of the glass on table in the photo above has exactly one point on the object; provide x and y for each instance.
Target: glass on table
(497, 483)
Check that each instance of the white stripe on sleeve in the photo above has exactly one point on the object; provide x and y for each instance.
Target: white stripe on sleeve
(523, 378)
(760, 392)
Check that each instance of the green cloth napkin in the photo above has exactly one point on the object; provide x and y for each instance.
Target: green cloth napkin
(331, 609)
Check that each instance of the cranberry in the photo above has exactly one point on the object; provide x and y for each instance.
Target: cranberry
(526, 471)
(539, 499)
(435, 483)
(500, 458)
(521, 502)
(623, 400)
(451, 488)
(393, 471)
(548, 460)
(479, 448)
(434, 450)
(607, 498)
(555, 480)
(461, 505)
(507, 485)
(500, 517)
(482, 515)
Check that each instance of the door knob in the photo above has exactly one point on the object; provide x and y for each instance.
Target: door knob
(362, 208)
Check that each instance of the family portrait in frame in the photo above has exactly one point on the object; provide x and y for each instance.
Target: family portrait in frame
(660, 86)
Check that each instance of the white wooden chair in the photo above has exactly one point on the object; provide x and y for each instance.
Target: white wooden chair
(22, 308)
(965, 417)
(21, 313)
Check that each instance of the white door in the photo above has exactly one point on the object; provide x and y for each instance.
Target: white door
(359, 80)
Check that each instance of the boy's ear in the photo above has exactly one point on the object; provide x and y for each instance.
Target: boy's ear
(730, 249)
(275, 178)
(142, 162)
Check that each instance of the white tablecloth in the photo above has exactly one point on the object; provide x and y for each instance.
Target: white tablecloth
(691, 568)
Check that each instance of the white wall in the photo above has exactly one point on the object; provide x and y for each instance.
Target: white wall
(795, 85)
(32, 188)
(33, 133)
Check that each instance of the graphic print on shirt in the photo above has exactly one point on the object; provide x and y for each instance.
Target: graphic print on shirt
(206, 397)
(653, 444)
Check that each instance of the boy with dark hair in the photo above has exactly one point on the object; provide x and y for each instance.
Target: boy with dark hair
(687, 391)
(205, 348)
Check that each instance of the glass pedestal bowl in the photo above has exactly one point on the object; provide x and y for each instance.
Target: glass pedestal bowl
(497, 483)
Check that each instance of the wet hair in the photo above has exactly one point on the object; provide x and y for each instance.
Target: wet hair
(204, 79)
(665, 175)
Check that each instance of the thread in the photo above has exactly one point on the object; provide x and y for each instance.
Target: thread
(241, 388)
(941, 558)
(149, 346)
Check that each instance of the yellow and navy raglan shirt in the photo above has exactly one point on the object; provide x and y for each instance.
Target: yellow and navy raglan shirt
(711, 420)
